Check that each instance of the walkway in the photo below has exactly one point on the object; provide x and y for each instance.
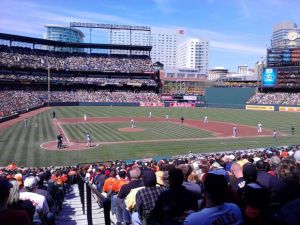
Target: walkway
(72, 214)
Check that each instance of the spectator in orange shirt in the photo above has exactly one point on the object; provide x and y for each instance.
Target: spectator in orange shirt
(108, 184)
(116, 188)
(120, 182)
(284, 154)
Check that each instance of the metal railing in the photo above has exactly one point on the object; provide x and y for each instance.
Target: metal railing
(106, 203)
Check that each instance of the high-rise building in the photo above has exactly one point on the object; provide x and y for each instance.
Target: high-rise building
(193, 53)
(62, 33)
(285, 35)
(164, 43)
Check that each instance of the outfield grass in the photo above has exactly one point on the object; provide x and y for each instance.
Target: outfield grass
(22, 145)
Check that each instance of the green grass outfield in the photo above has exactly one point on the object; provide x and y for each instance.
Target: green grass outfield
(22, 145)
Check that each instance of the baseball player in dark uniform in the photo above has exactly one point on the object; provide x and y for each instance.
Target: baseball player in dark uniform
(59, 141)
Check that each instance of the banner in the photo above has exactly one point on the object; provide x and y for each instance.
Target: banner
(190, 98)
(152, 104)
(289, 109)
(260, 107)
(182, 105)
(166, 97)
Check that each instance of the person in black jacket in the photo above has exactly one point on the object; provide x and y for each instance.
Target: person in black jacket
(182, 119)
(172, 204)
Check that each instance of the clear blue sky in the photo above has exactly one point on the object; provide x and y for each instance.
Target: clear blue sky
(238, 30)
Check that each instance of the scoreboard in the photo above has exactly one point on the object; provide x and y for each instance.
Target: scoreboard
(283, 57)
(283, 69)
(281, 77)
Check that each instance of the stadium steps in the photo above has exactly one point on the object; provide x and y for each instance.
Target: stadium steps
(71, 213)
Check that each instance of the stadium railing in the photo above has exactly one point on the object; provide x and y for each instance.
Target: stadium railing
(88, 191)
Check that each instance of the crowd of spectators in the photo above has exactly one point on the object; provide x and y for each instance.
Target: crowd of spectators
(80, 80)
(42, 59)
(255, 187)
(16, 100)
(33, 196)
(278, 98)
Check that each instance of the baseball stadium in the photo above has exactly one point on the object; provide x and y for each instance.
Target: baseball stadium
(79, 110)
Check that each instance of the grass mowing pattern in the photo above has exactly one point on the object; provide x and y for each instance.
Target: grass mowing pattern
(22, 145)
(108, 132)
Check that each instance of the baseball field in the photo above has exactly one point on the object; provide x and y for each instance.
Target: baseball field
(113, 138)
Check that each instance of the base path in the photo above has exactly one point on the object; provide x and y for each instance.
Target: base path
(220, 130)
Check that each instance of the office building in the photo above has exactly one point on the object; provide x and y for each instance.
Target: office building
(62, 33)
(285, 35)
(193, 54)
(164, 43)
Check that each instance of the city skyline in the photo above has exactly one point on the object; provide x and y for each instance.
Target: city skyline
(238, 31)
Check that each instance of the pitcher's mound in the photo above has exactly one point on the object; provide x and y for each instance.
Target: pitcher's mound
(129, 129)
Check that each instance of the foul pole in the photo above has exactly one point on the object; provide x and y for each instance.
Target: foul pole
(49, 78)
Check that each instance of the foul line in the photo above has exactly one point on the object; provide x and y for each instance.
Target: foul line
(68, 141)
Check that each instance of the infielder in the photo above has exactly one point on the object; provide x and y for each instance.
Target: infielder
(167, 117)
(234, 131)
(88, 140)
(132, 123)
(150, 114)
(205, 119)
(259, 128)
(84, 117)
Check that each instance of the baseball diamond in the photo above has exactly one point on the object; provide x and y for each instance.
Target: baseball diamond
(158, 137)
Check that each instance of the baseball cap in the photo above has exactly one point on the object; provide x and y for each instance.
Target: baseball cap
(149, 178)
(30, 182)
(297, 155)
(215, 184)
(275, 160)
(249, 172)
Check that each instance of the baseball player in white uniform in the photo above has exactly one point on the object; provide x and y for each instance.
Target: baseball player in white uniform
(234, 131)
(205, 119)
(259, 128)
(88, 140)
(150, 114)
(132, 123)
(84, 117)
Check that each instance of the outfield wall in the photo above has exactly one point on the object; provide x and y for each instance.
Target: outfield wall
(228, 97)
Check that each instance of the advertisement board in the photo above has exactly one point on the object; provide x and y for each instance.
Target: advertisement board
(190, 98)
(152, 104)
(289, 109)
(182, 105)
(269, 77)
(260, 107)
(166, 97)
